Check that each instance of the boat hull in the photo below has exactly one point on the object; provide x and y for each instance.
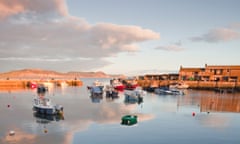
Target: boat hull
(49, 111)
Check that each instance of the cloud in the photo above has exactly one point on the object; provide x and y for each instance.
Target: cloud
(172, 47)
(218, 35)
(13, 7)
(39, 30)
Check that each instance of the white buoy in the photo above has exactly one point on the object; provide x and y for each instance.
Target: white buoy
(11, 133)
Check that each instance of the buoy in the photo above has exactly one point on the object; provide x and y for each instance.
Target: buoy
(45, 131)
(8, 105)
(193, 114)
(12, 133)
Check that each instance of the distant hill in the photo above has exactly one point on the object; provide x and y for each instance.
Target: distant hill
(47, 74)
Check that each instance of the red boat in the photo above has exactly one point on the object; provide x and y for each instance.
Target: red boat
(131, 86)
(117, 85)
(33, 85)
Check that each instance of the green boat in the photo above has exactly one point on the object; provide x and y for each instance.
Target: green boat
(129, 120)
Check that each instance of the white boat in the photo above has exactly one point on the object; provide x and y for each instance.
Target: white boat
(98, 84)
(179, 86)
(167, 91)
(135, 95)
(111, 92)
(44, 105)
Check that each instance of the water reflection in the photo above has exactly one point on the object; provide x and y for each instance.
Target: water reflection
(19, 138)
(159, 118)
(220, 103)
(96, 98)
(207, 101)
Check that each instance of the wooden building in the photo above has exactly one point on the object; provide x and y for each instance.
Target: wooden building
(222, 73)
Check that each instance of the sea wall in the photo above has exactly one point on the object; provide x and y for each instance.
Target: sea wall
(192, 84)
(22, 84)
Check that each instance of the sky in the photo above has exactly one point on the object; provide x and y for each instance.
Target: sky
(118, 37)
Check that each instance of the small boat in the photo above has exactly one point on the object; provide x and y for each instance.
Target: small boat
(130, 84)
(44, 105)
(167, 91)
(129, 120)
(179, 86)
(111, 92)
(96, 91)
(96, 88)
(117, 85)
(133, 96)
(98, 84)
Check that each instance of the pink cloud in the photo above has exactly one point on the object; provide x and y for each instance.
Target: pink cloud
(13, 7)
(40, 28)
(8, 8)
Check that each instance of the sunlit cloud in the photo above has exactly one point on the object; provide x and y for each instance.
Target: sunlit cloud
(218, 35)
(36, 30)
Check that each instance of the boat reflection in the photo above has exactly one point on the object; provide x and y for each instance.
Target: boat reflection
(96, 98)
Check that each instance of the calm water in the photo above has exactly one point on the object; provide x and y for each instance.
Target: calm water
(162, 119)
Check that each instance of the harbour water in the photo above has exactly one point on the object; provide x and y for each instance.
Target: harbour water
(197, 117)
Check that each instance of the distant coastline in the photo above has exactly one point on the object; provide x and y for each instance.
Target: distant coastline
(47, 74)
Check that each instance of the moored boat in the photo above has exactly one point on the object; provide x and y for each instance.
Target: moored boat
(168, 91)
(117, 84)
(133, 96)
(179, 86)
(111, 92)
(44, 105)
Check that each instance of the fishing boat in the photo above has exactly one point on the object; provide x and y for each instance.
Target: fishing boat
(96, 89)
(111, 92)
(117, 84)
(133, 96)
(44, 105)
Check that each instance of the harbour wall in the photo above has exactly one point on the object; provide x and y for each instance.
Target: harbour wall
(22, 84)
(192, 84)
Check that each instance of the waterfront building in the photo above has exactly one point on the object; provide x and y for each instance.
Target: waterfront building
(223, 73)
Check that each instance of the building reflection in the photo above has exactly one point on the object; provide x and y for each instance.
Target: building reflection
(211, 102)
(220, 103)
